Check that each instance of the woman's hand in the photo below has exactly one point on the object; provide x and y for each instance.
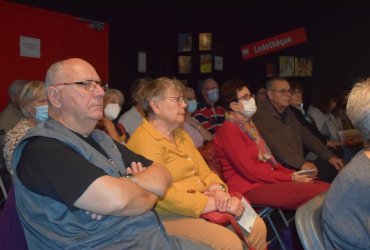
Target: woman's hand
(235, 207)
(302, 178)
(136, 167)
(221, 199)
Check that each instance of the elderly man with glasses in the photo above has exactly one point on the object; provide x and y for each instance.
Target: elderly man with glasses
(286, 136)
(74, 185)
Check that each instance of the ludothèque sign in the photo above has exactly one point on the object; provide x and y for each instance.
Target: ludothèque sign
(274, 43)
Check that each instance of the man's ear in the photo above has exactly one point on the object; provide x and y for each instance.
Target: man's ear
(54, 97)
(269, 94)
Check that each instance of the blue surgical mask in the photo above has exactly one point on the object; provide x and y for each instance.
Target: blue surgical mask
(192, 106)
(42, 113)
(213, 95)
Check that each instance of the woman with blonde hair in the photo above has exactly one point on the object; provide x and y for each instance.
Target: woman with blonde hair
(196, 190)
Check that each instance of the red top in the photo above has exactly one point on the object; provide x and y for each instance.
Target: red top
(238, 156)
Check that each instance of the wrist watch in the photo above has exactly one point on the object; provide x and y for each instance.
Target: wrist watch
(130, 177)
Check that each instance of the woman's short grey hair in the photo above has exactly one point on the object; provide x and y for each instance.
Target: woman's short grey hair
(155, 91)
(116, 92)
(358, 108)
(31, 91)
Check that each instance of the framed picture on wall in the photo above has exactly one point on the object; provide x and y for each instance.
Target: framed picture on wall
(206, 63)
(219, 63)
(303, 66)
(185, 42)
(184, 63)
(205, 41)
(286, 66)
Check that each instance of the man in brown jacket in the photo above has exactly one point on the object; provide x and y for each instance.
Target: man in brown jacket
(286, 136)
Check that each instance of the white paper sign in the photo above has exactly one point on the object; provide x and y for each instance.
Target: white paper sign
(30, 47)
(248, 217)
(142, 62)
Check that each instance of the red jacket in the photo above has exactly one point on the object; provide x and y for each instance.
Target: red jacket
(238, 156)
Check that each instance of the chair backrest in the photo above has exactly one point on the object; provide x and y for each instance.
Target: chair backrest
(308, 223)
(209, 155)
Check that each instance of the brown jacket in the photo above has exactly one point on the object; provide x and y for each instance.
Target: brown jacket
(286, 136)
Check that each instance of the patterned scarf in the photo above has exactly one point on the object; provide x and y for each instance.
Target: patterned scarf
(248, 128)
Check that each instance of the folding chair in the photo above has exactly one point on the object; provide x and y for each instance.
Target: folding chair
(308, 223)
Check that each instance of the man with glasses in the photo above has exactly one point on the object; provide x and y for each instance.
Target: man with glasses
(286, 136)
(74, 185)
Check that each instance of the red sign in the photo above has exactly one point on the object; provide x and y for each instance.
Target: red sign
(274, 43)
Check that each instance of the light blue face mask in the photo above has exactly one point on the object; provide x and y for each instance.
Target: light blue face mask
(42, 113)
(213, 95)
(192, 106)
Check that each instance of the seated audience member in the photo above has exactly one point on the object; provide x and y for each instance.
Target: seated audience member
(247, 163)
(11, 115)
(196, 189)
(69, 173)
(33, 105)
(261, 95)
(320, 111)
(296, 106)
(286, 137)
(113, 101)
(345, 212)
(132, 118)
(209, 113)
(191, 125)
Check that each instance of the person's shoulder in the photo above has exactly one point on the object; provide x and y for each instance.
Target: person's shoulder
(43, 144)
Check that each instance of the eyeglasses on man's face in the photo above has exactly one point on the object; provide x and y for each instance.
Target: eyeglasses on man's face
(282, 91)
(178, 100)
(246, 97)
(90, 85)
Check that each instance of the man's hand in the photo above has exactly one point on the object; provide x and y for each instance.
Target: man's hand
(309, 165)
(336, 162)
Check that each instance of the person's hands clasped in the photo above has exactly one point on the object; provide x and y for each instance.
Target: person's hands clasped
(235, 207)
(221, 200)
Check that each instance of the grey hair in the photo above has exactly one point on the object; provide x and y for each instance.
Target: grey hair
(110, 92)
(155, 90)
(358, 108)
(271, 81)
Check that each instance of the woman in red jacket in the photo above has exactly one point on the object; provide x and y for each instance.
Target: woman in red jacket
(247, 163)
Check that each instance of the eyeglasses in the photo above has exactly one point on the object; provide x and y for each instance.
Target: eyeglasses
(282, 91)
(90, 85)
(246, 97)
(179, 100)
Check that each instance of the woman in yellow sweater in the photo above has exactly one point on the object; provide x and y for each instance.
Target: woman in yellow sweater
(196, 189)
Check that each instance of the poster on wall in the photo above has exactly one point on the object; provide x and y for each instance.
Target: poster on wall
(219, 63)
(185, 42)
(205, 41)
(206, 63)
(286, 66)
(141, 59)
(30, 47)
(303, 66)
(184, 63)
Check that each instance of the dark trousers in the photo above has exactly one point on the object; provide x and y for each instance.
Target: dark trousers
(327, 172)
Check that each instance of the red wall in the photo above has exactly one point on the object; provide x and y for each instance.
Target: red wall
(61, 36)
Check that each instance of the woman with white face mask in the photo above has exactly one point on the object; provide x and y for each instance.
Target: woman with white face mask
(34, 107)
(113, 101)
(191, 125)
(247, 164)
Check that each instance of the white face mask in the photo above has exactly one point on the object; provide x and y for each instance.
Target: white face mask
(112, 110)
(249, 108)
